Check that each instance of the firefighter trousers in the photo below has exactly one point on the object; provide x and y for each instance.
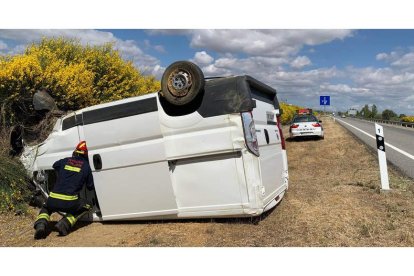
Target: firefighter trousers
(73, 207)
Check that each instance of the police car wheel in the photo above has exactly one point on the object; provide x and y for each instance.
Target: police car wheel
(181, 82)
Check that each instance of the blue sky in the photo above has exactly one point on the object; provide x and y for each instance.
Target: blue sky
(355, 67)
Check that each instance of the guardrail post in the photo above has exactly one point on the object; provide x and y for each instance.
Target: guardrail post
(385, 186)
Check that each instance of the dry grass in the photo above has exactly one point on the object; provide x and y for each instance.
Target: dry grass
(333, 200)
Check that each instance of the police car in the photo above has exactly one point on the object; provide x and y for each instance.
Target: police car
(306, 125)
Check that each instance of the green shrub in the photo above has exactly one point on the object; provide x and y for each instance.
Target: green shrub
(14, 192)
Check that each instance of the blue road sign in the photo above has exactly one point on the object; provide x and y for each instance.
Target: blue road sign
(325, 100)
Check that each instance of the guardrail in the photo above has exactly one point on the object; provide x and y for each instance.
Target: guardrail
(396, 123)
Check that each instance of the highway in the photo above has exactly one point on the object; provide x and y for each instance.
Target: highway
(399, 141)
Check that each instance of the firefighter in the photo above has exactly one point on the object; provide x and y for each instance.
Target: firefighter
(72, 173)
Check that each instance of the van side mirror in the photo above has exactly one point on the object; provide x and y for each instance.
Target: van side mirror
(320, 121)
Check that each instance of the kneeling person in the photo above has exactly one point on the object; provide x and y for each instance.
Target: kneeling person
(72, 174)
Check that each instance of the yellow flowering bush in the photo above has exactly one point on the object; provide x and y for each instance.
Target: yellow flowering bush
(76, 76)
(408, 119)
(288, 111)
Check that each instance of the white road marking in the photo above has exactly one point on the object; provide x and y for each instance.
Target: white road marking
(387, 144)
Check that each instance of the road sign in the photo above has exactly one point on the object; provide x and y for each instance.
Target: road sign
(325, 100)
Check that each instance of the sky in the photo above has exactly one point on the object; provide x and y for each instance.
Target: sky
(353, 67)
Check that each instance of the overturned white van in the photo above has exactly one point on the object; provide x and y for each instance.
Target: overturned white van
(198, 148)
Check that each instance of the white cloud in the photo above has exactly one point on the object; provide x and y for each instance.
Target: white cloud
(381, 56)
(389, 87)
(160, 49)
(400, 58)
(202, 58)
(276, 43)
(157, 71)
(300, 62)
(343, 88)
(410, 98)
(407, 60)
(7, 50)
(254, 66)
(376, 77)
(128, 48)
(3, 46)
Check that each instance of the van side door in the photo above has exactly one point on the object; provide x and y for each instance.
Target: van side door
(128, 161)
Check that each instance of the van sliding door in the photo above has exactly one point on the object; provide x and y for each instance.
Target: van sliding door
(127, 157)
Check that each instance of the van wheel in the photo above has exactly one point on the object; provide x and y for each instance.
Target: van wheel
(181, 82)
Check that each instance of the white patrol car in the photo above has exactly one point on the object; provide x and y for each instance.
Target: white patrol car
(306, 125)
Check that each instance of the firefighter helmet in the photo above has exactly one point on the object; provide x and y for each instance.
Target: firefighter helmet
(81, 148)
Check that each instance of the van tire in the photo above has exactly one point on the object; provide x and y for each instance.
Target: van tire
(181, 82)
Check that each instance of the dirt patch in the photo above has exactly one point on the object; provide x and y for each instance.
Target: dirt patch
(334, 199)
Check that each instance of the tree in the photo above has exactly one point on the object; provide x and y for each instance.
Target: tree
(76, 76)
(374, 111)
(388, 114)
(366, 112)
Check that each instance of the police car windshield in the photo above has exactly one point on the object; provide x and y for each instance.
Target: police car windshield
(304, 119)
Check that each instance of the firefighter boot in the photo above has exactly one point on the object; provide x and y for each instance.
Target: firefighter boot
(41, 231)
(63, 227)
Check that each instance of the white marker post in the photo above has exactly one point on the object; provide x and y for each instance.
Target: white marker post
(385, 186)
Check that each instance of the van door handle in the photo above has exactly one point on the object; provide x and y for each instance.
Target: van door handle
(97, 161)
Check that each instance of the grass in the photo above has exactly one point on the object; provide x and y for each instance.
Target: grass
(14, 193)
(334, 199)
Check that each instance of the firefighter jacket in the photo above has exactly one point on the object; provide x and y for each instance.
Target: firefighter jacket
(72, 174)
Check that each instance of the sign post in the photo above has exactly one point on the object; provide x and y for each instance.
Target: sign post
(324, 100)
(385, 186)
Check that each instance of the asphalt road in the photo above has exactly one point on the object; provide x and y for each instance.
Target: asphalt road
(399, 141)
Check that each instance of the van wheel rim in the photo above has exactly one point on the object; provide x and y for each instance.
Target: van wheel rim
(179, 83)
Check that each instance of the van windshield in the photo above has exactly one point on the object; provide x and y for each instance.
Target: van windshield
(304, 119)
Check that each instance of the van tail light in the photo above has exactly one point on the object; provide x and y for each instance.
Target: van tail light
(316, 125)
(250, 133)
(281, 132)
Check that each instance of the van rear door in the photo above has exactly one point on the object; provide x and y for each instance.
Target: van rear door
(270, 148)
